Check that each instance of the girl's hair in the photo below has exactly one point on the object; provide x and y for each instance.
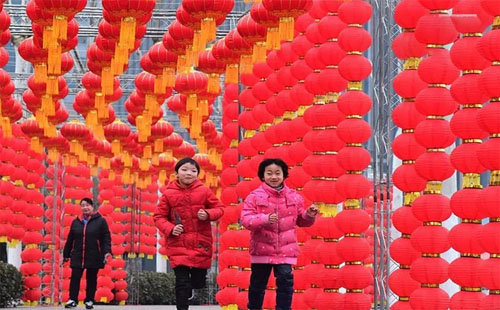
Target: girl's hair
(270, 161)
(186, 160)
(87, 200)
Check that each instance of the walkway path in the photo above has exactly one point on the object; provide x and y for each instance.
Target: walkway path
(128, 307)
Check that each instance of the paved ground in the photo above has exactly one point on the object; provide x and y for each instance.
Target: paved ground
(127, 307)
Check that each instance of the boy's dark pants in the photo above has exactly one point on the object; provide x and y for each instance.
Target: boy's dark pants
(186, 279)
(258, 281)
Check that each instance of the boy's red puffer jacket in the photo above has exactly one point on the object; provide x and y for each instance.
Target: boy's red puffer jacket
(193, 247)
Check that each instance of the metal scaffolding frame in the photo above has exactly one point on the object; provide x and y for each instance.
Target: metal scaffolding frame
(379, 86)
(88, 21)
(385, 67)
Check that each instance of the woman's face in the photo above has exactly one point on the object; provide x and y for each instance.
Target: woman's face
(187, 173)
(87, 208)
(273, 175)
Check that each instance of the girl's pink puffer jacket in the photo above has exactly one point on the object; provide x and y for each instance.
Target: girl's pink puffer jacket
(274, 243)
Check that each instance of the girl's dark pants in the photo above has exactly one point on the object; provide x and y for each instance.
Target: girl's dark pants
(258, 282)
(186, 279)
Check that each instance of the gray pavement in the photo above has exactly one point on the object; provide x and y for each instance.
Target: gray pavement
(126, 307)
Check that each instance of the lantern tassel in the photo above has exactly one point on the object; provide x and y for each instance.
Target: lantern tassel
(191, 102)
(162, 176)
(286, 28)
(273, 38)
(127, 32)
(40, 72)
(48, 106)
(91, 119)
(232, 74)
(53, 155)
(54, 59)
(99, 131)
(36, 145)
(184, 120)
(147, 151)
(60, 27)
(50, 131)
(197, 44)
(246, 63)
(181, 63)
(158, 147)
(47, 36)
(107, 81)
(169, 77)
(208, 30)
(259, 52)
(159, 88)
(52, 85)
(115, 147)
(6, 127)
(41, 118)
(203, 107)
(213, 86)
(156, 159)
(121, 57)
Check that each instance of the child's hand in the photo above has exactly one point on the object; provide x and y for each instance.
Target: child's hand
(312, 211)
(178, 229)
(273, 218)
(202, 215)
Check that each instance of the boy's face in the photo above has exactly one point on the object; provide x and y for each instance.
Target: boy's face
(187, 173)
(273, 175)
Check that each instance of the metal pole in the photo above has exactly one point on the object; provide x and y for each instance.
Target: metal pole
(61, 220)
(54, 227)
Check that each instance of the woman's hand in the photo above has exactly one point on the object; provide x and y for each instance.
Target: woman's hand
(202, 215)
(178, 229)
(312, 211)
(273, 218)
(107, 257)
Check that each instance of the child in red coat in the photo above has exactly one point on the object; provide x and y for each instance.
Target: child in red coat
(183, 216)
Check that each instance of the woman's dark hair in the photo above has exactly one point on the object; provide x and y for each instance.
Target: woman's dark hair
(271, 161)
(186, 160)
(87, 200)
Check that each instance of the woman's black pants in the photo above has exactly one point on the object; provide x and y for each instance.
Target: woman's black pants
(74, 284)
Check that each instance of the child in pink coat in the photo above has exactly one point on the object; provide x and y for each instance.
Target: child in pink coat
(271, 213)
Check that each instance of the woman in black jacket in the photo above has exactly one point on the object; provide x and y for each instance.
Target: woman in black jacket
(88, 245)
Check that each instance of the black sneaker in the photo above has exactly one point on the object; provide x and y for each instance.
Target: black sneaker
(70, 304)
(89, 304)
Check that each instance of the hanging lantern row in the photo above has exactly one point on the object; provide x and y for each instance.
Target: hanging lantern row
(488, 155)
(465, 270)
(434, 134)
(9, 107)
(407, 84)
(21, 209)
(54, 34)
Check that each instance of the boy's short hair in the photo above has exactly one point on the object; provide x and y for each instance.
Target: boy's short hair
(186, 160)
(270, 161)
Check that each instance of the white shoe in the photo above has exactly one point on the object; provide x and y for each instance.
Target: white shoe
(89, 304)
(192, 295)
(70, 304)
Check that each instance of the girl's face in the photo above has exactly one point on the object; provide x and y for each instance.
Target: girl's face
(187, 174)
(273, 175)
(87, 208)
